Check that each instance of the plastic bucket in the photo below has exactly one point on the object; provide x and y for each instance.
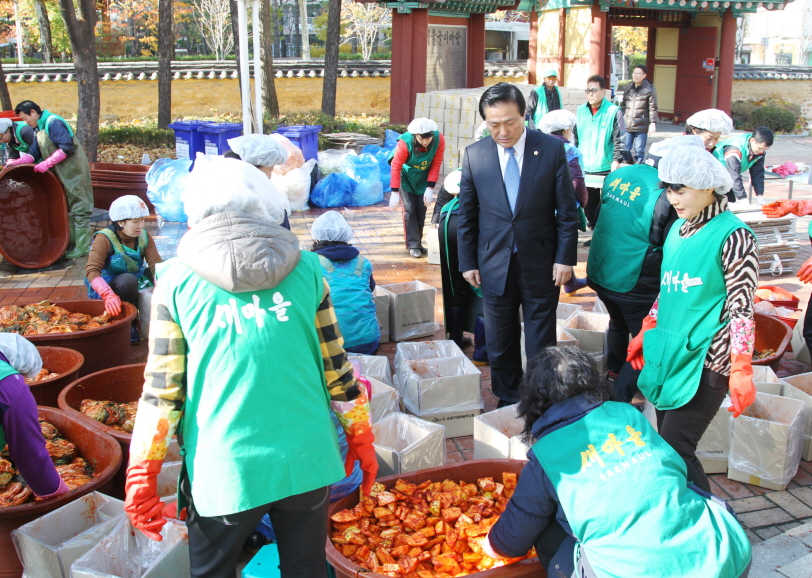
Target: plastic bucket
(107, 346)
(771, 333)
(100, 450)
(188, 142)
(10, 114)
(306, 137)
(790, 300)
(34, 219)
(216, 134)
(62, 361)
(469, 471)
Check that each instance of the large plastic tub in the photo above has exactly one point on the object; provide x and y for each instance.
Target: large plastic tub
(188, 142)
(100, 450)
(34, 218)
(62, 361)
(107, 191)
(215, 136)
(306, 137)
(771, 333)
(469, 471)
(107, 346)
(119, 170)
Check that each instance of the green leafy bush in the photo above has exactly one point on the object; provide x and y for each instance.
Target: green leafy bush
(776, 118)
(136, 135)
(381, 55)
(740, 111)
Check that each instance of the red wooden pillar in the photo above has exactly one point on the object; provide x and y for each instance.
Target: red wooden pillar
(651, 45)
(562, 44)
(727, 54)
(475, 76)
(409, 53)
(597, 41)
(532, 47)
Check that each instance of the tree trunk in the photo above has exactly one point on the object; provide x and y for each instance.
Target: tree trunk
(5, 98)
(270, 102)
(166, 49)
(80, 23)
(328, 93)
(305, 30)
(297, 24)
(44, 31)
(235, 29)
(278, 13)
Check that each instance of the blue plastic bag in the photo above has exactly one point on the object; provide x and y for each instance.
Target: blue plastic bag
(385, 169)
(363, 169)
(391, 140)
(165, 182)
(372, 149)
(334, 190)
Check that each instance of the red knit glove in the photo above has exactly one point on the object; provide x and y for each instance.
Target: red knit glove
(742, 389)
(635, 350)
(142, 504)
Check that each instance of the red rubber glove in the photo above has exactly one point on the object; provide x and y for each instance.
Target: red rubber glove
(784, 207)
(171, 511)
(142, 504)
(635, 350)
(53, 160)
(25, 159)
(742, 390)
(354, 417)
(112, 302)
(805, 272)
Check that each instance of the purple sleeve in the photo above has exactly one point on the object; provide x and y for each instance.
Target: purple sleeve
(26, 446)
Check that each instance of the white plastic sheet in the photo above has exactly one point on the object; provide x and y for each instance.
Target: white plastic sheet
(405, 443)
(376, 366)
(385, 400)
(415, 350)
(296, 185)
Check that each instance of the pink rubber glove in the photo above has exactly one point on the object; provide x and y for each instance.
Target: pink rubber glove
(25, 159)
(51, 161)
(112, 302)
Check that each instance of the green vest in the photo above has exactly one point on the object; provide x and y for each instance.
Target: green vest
(621, 237)
(45, 120)
(415, 171)
(256, 426)
(595, 136)
(692, 297)
(541, 107)
(5, 371)
(624, 492)
(741, 142)
(22, 146)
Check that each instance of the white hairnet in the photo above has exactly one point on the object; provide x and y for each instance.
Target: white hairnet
(560, 119)
(331, 226)
(695, 168)
(5, 124)
(128, 207)
(218, 184)
(22, 355)
(711, 120)
(259, 150)
(421, 126)
(452, 182)
(662, 148)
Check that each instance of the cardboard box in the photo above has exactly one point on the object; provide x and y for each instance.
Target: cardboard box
(417, 350)
(497, 435)
(800, 387)
(565, 311)
(375, 366)
(590, 330)
(443, 385)
(765, 374)
(422, 112)
(49, 545)
(799, 347)
(411, 310)
(563, 337)
(771, 388)
(423, 99)
(470, 102)
(433, 245)
(451, 116)
(168, 480)
(436, 100)
(766, 442)
(599, 306)
(385, 400)
(144, 307)
(436, 114)
(381, 299)
(714, 446)
(404, 443)
(470, 118)
(456, 423)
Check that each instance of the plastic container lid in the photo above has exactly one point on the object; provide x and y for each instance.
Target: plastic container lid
(303, 128)
(186, 124)
(215, 127)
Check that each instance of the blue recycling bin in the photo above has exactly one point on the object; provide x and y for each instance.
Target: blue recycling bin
(304, 136)
(188, 141)
(216, 134)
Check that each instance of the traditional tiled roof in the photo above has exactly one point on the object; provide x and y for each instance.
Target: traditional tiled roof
(768, 72)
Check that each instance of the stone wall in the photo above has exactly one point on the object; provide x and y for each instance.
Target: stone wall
(790, 90)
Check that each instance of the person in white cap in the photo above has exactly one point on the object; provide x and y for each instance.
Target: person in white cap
(17, 137)
(416, 162)
(122, 259)
(709, 125)
(623, 266)
(697, 342)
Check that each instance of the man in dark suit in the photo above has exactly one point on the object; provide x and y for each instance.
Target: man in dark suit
(517, 233)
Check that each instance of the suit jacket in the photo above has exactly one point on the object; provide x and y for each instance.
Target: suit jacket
(544, 227)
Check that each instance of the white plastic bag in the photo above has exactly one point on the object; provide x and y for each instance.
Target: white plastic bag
(295, 155)
(330, 160)
(297, 184)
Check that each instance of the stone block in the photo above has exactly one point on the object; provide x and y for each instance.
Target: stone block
(792, 505)
(750, 504)
(764, 518)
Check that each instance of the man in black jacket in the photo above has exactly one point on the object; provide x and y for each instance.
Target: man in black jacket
(639, 112)
(517, 232)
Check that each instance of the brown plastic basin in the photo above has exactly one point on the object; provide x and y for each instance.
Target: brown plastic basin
(100, 450)
(62, 361)
(118, 168)
(468, 471)
(107, 346)
(771, 333)
(105, 192)
(34, 218)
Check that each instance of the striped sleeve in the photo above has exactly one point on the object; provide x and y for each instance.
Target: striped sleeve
(337, 368)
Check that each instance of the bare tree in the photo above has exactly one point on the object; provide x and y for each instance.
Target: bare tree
(44, 31)
(364, 22)
(166, 49)
(328, 93)
(80, 22)
(305, 30)
(213, 17)
(270, 102)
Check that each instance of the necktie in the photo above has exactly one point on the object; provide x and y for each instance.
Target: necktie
(512, 178)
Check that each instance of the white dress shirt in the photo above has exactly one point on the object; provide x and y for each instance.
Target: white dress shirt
(518, 153)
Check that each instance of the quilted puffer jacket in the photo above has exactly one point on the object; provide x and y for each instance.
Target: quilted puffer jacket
(639, 106)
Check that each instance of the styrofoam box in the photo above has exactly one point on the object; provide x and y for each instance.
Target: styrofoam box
(405, 443)
(766, 442)
(385, 400)
(497, 435)
(565, 311)
(48, 545)
(800, 387)
(376, 366)
(456, 423)
(444, 385)
(411, 310)
(381, 299)
(714, 446)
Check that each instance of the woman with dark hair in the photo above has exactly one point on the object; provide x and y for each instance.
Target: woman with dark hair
(602, 492)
